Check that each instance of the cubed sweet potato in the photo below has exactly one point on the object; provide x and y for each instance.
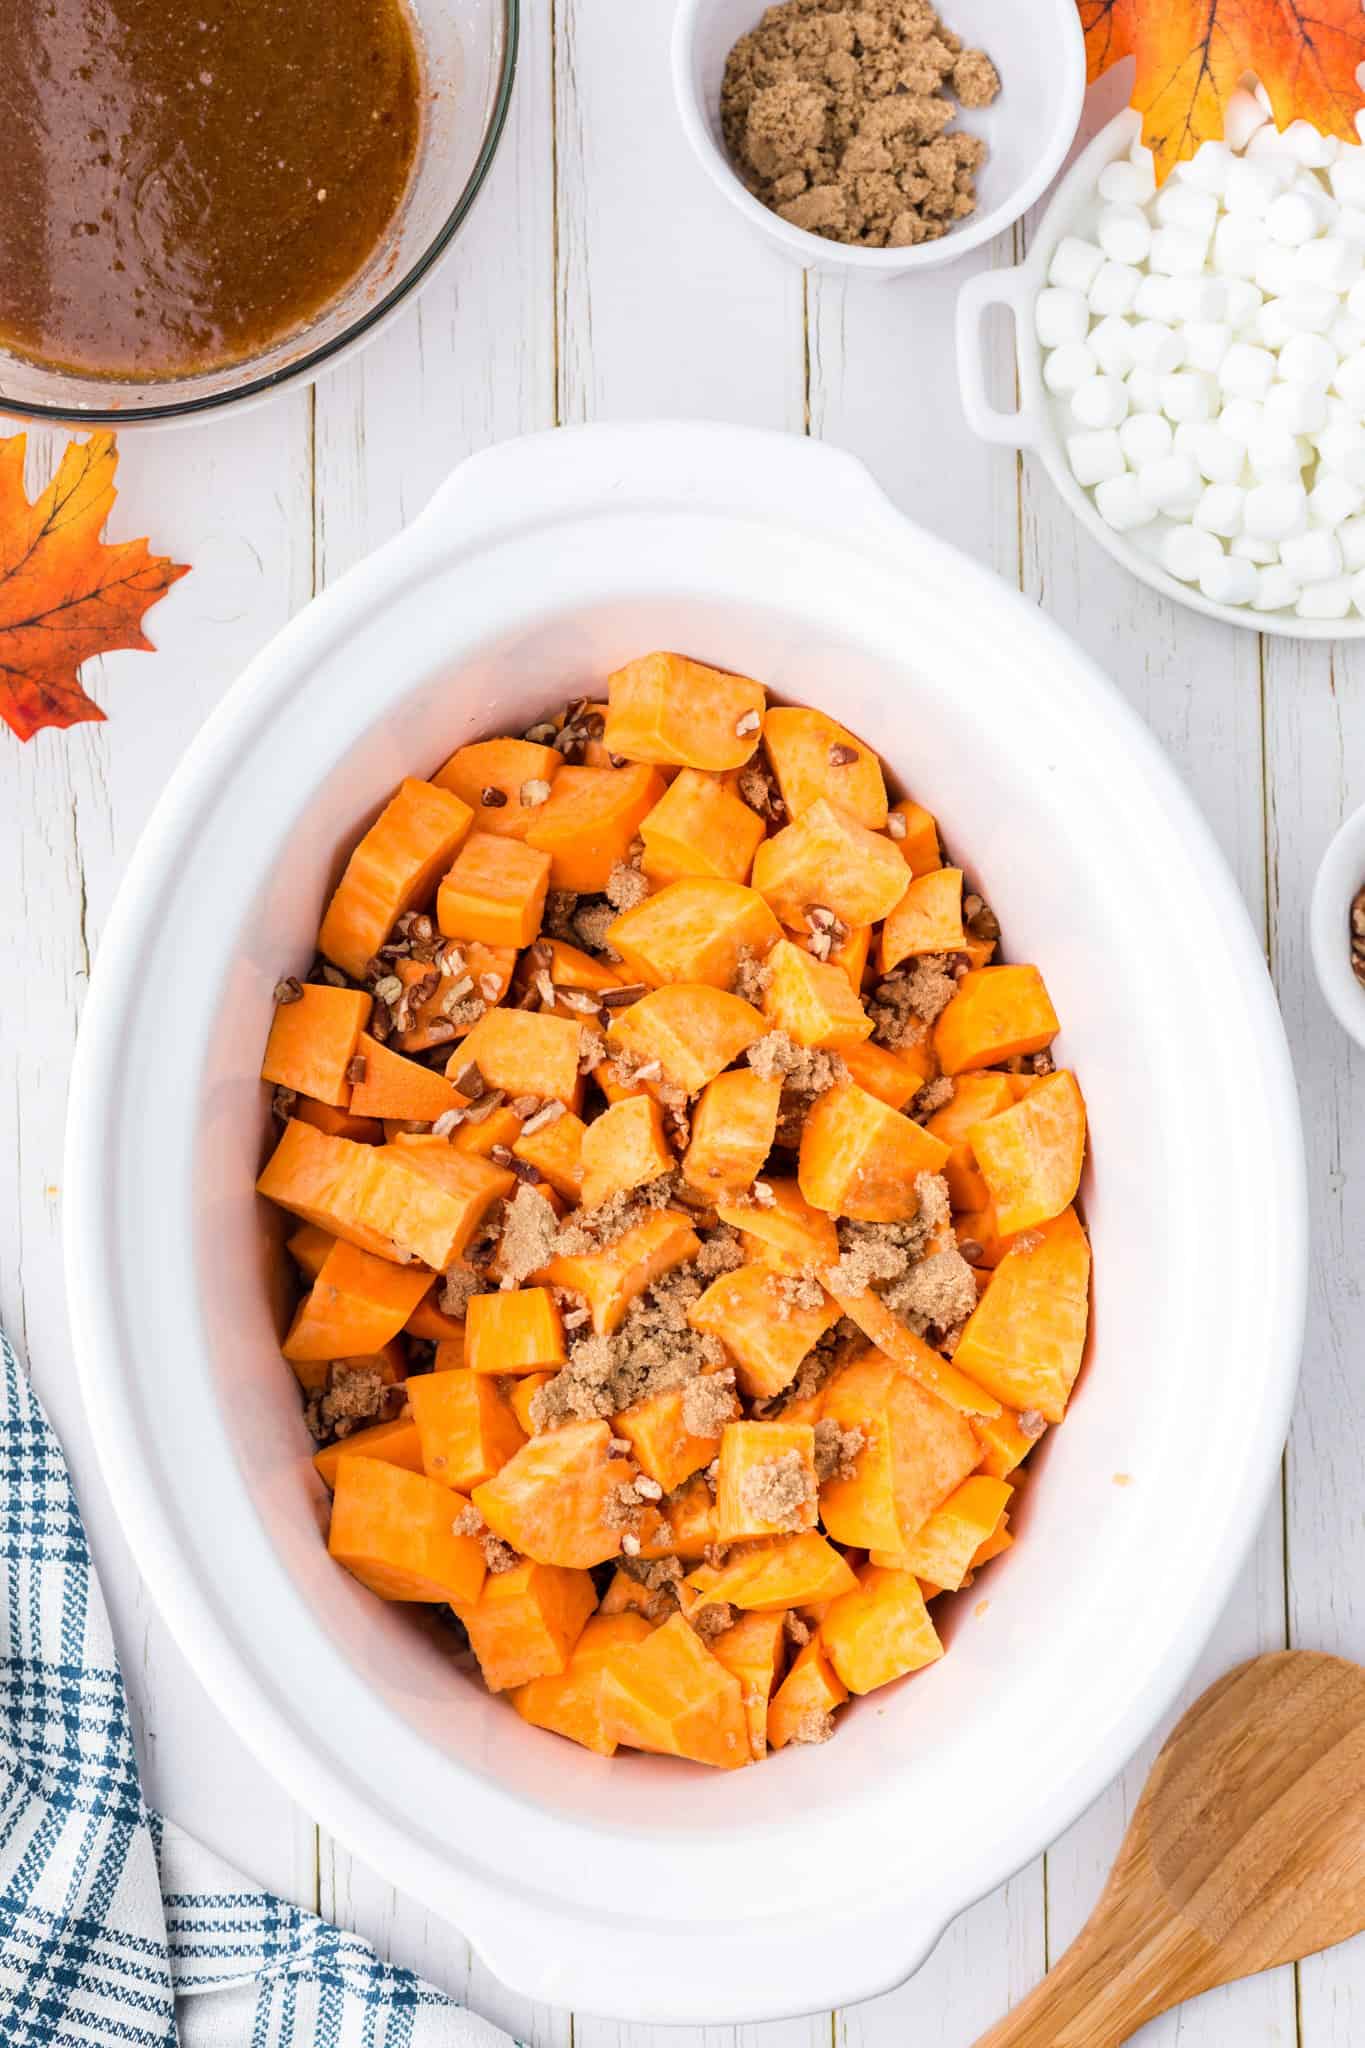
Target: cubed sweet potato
(623, 1148)
(803, 1706)
(495, 891)
(308, 1248)
(504, 782)
(527, 1621)
(338, 1123)
(667, 709)
(693, 930)
(692, 1030)
(825, 860)
(313, 1040)
(662, 1445)
(356, 1304)
(668, 1694)
(1031, 1154)
(785, 1233)
(942, 1550)
(752, 1650)
(392, 1529)
(470, 1185)
(516, 1330)
(392, 1086)
(610, 1279)
(766, 1483)
(975, 1096)
(328, 1182)
(591, 818)
(865, 1307)
(927, 919)
(525, 1053)
(860, 1158)
(1005, 1442)
(849, 954)
(813, 756)
(396, 1443)
(466, 1429)
(917, 837)
(1027, 1337)
(570, 1702)
(699, 827)
(766, 1326)
(996, 1013)
(880, 1631)
(787, 1571)
(915, 1451)
(395, 867)
(811, 1000)
(554, 1146)
(557, 1500)
(893, 1077)
(733, 1127)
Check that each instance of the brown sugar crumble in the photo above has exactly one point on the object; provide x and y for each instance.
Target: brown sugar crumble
(835, 118)
(780, 1492)
(932, 1292)
(751, 978)
(356, 1395)
(836, 1450)
(913, 997)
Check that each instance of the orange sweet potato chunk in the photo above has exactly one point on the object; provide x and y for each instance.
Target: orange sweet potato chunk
(308, 1248)
(395, 1442)
(1031, 1154)
(495, 892)
(995, 1544)
(326, 1182)
(591, 818)
(928, 919)
(766, 1482)
(692, 1030)
(784, 1233)
(431, 1012)
(395, 867)
(813, 756)
(527, 1621)
(693, 930)
(623, 1148)
(515, 770)
(942, 1551)
(859, 1157)
(669, 1695)
(687, 1523)
(826, 860)
(975, 1096)
(610, 1279)
(1005, 1442)
(1025, 1341)
(667, 709)
(752, 1651)
(996, 1013)
(916, 1450)
(313, 1041)
(898, 1341)
(803, 1705)
(339, 1123)
(893, 1077)
(516, 1330)
(525, 1053)
(557, 1500)
(555, 1148)
(699, 827)
(788, 1571)
(469, 1185)
(661, 1443)
(811, 1000)
(466, 1429)
(850, 954)
(765, 1332)
(356, 1304)
(391, 1085)
(570, 1702)
(880, 1631)
(916, 836)
(733, 1127)
(392, 1529)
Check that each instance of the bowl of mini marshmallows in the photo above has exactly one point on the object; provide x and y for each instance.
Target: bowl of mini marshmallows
(1192, 367)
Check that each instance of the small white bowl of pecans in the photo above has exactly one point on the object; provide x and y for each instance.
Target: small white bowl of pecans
(886, 146)
(1337, 926)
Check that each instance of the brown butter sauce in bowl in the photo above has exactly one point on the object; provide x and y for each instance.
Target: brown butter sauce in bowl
(185, 182)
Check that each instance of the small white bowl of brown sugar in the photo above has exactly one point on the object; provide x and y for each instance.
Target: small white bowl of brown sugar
(885, 136)
(1337, 925)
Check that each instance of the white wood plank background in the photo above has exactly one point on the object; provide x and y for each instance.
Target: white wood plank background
(600, 278)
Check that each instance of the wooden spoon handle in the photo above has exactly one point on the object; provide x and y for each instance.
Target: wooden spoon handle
(1090, 1999)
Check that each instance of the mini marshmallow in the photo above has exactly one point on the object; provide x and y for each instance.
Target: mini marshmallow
(1175, 252)
(1268, 146)
(1237, 242)
(1272, 326)
(1333, 500)
(1188, 553)
(1351, 535)
(1099, 402)
(1346, 334)
(1122, 504)
(1207, 170)
(1229, 581)
(1156, 299)
(1347, 177)
(1247, 548)
(1330, 260)
(1296, 408)
(1197, 298)
(1139, 154)
(1342, 448)
(1273, 452)
(1307, 145)
(1220, 509)
(1274, 269)
(1159, 348)
(1068, 366)
(1172, 484)
(1275, 591)
(1206, 343)
(1355, 300)
(1246, 371)
(1145, 437)
(1313, 556)
(1115, 288)
(1358, 591)
(1276, 510)
(1330, 600)
(1124, 233)
(1094, 457)
(1123, 184)
(1242, 417)
(1308, 361)
(1348, 380)
(1180, 204)
(1252, 188)
(1144, 390)
(1349, 224)
(1110, 341)
(1242, 116)
(1242, 301)
(1221, 457)
(1060, 315)
(1291, 219)
(1309, 308)
(1075, 264)
(1187, 395)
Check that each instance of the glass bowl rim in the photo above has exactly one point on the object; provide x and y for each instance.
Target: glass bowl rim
(308, 366)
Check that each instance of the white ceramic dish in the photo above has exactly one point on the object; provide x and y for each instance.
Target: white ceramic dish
(1039, 52)
(1039, 423)
(1341, 872)
(638, 1887)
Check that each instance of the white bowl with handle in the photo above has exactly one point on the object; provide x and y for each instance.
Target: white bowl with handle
(1039, 422)
(636, 1886)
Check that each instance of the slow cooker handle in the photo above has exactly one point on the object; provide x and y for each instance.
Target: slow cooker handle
(1012, 288)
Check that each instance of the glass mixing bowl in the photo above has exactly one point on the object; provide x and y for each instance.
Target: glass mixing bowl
(470, 51)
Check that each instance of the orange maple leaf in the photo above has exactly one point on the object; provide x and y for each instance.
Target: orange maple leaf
(64, 594)
(1191, 54)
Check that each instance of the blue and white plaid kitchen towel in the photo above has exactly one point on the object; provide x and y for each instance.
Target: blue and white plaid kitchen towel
(117, 1930)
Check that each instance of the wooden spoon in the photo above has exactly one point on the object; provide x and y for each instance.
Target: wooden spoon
(1247, 1849)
